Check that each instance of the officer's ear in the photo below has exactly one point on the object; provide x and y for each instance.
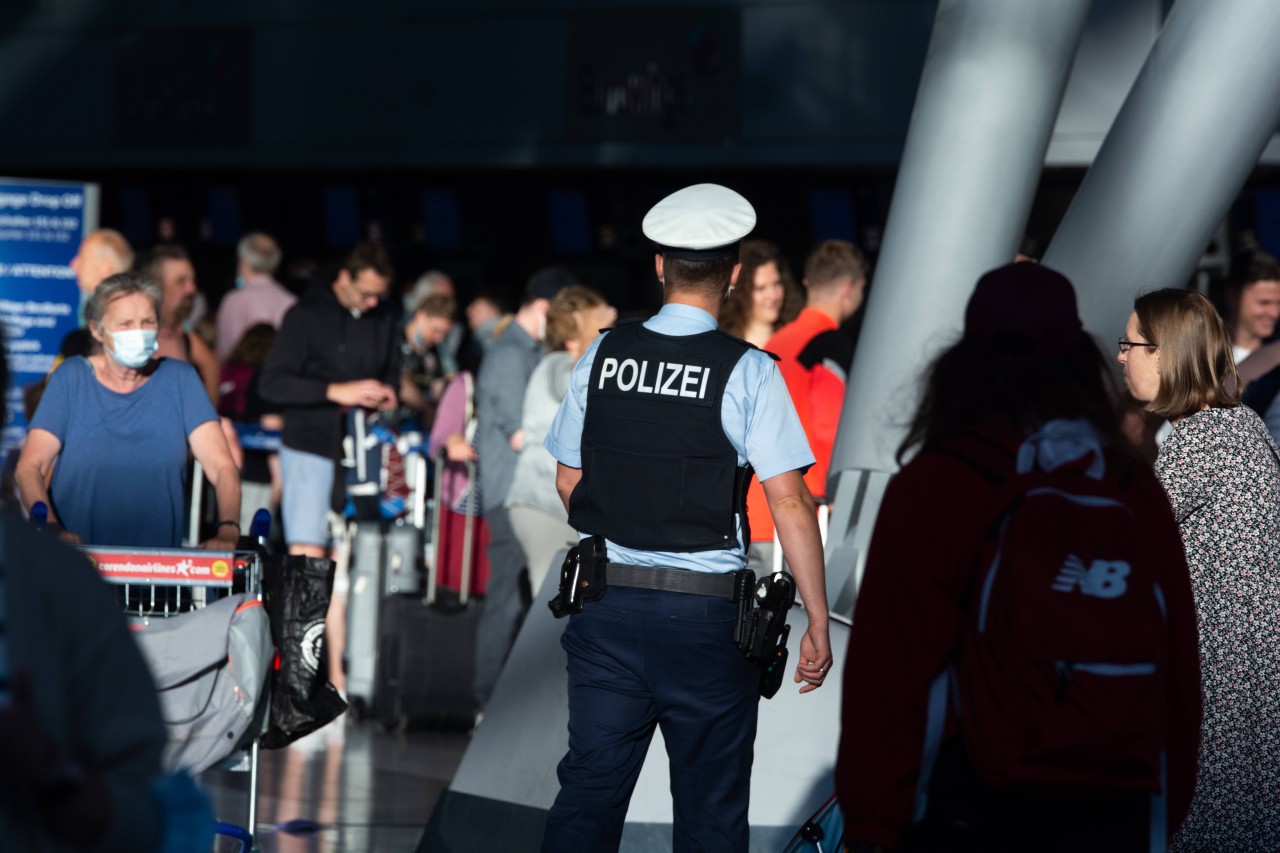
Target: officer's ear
(657, 267)
(733, 281)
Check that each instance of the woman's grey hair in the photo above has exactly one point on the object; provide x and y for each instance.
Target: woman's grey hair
(115, 286)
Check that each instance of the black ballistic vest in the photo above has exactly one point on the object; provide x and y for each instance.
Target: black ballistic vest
(658, 471)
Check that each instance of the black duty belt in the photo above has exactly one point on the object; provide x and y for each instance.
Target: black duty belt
(720, 585)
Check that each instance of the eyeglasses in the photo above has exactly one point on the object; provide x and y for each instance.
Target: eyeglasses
(366, 296)
(1125, 346)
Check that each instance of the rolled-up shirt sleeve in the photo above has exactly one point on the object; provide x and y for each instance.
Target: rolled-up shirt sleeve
(775, 440)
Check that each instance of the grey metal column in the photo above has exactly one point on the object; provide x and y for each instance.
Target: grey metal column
(1193, 127)
(992, 84)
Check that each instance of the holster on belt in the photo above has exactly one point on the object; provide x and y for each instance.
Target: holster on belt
(582, 577)
(763, 630)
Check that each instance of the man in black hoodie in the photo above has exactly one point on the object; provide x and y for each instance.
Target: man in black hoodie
(337, 348)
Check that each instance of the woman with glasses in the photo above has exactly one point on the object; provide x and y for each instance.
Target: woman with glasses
(1220, 469)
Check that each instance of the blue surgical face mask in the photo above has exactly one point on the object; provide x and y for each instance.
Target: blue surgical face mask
(239, 282)
(133, 347)
(419, 342)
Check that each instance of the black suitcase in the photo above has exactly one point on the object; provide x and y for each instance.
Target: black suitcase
(427, 649)
(426, 663)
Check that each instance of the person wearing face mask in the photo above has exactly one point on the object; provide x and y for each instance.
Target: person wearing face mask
(257, 297)
(114, 430)
(425, 372)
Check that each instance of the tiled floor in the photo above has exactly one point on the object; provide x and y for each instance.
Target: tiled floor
(349, 788)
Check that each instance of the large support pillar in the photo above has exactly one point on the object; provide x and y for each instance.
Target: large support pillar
(1194, 125)
(988, 98)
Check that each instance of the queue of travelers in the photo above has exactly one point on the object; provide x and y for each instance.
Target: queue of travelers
(539, 452)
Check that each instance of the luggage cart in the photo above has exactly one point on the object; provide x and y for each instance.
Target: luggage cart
(251, 437)
(148, 577)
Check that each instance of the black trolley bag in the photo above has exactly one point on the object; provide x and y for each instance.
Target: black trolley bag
(427, 646)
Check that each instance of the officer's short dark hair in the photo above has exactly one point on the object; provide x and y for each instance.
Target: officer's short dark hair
(707, 278)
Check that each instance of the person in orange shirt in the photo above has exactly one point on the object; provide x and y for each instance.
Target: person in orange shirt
(814, 358)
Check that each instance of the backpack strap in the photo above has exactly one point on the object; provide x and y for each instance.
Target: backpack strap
(968, 448)
(994, 461)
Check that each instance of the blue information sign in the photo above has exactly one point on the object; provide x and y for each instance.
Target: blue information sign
(41, 226)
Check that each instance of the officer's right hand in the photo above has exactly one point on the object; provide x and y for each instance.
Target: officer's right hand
(815, 657)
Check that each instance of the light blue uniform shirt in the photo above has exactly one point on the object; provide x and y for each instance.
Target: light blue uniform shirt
(756, 413)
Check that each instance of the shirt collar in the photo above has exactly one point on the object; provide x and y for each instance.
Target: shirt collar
(517, 332)
(688, 313)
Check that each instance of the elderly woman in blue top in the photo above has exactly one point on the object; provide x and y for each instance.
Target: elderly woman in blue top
(114, 429)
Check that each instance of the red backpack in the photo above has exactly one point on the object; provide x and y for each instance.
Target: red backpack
(1062, 669)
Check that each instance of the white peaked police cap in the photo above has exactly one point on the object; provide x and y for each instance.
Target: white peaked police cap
(700, 223)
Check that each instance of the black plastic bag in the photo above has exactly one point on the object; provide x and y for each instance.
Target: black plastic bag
(296, 593)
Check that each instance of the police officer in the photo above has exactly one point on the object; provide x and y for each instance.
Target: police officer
(656, 440)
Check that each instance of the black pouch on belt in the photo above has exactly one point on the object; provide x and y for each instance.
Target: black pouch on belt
(581, 577)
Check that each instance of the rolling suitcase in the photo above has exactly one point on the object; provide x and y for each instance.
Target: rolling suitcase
(426, 656)
(386, 561)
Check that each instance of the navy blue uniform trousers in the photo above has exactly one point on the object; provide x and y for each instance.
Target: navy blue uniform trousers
(640, 659)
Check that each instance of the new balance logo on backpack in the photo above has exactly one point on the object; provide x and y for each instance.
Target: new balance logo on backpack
(1101, 578)
(1061, 673)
